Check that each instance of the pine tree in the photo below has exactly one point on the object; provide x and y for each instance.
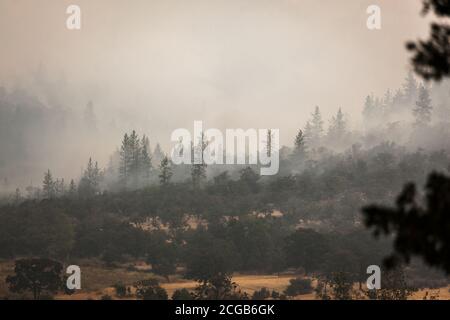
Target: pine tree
(125, 161)
(375, 109)
(60, 188)
(299, 143)
(72, 188)
(198, 174)
(31, 191)
(423, 109)
(316, 126)
(317, 122)
(165, 171)
(368, 110)
(97, 177)
(110, 170)
(308, 134)
(410, 88)
(146, 160)
(387, 102)
(48, 185)
(158, 154)
(135, 154)
(397, 98)
(198, 170)
(135, 160)
(90, 182)
(337, 127)
(340, 122)
(90, 173)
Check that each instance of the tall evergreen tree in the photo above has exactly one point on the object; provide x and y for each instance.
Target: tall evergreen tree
(165, 171)
(299, 143)
(72, 188)
(198, 170)
(90, 182)
(135, 155)
(98, 175)
(386, 104)
(316, 126)
(48, 185)
(135, 160)
(308, 134)
(158, 154)
(125, 161)
(110, 170)
(375, 109)
(92, 173)
(422, 111)
(146, 160)
(410, 88)
(317, 122)
(397, 99)
(198, 174)
(337, 128)
(60, 188)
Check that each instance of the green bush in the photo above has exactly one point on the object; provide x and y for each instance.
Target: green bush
(182, 294)
(261, 294)
(150, 290)
(298, 286)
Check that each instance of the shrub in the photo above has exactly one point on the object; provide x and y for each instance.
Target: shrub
(261, 294)
(150, 290)
(298, 286)
(121, 289)
(275, 295)
(182, 294)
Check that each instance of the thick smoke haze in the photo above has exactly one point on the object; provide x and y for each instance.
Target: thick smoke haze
(155, 66)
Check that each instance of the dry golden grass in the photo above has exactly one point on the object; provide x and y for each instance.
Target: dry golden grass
(247, 283)
(97, 280)
(443, 293)
(6, 269)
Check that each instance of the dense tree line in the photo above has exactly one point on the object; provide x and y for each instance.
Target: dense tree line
(305, 218)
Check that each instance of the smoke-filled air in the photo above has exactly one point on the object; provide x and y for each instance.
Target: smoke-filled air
(343, 95)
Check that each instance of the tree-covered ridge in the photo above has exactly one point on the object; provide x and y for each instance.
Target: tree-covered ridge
(309, 220)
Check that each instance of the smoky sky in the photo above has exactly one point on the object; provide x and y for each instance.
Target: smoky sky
(158, 65)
